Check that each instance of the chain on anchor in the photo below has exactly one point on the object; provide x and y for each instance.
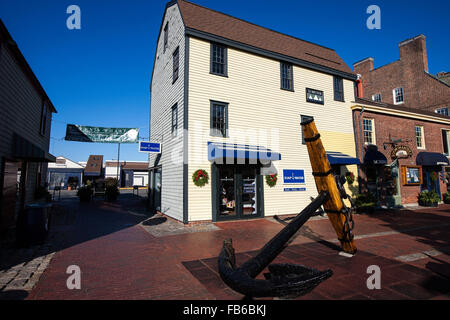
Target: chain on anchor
(349, 224)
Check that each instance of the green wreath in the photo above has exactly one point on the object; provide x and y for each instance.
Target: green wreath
(200, 177)
(271, 180)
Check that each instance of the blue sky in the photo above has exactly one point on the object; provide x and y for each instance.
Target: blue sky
(100, 75)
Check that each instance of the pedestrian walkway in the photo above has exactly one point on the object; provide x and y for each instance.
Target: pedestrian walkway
(119, 259)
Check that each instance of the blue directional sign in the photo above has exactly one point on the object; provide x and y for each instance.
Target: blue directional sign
(293, 176)
(147, 146)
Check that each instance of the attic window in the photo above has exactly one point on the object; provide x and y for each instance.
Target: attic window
(166, 36)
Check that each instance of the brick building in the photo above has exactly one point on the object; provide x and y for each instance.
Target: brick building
(406, 81)
(25, 121)
(403, 151)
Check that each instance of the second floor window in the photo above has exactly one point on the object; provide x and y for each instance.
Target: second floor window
(376, 97)
(398, 95)
(446, 141)
(287, 82)
(219, 119)
(174, 120)
(368, 129)
(338, 84)
(420, 138)
(176, 64)
(166, 36)
(218, 59)
(44, 115)
(443, 111)
(303, 119)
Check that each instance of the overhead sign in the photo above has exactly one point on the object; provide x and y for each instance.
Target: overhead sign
(101, 134)
(401, 152)
(293, 176)
(147, 146)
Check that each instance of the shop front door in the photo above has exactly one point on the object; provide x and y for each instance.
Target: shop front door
(238, 192)
(430, 179)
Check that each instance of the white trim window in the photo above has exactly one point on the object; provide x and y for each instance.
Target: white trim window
(420, 138)
(369, 131)
(376, 97)
(443, 111)
(398, 95)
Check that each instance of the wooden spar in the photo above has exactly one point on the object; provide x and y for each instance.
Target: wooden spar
(326, 182)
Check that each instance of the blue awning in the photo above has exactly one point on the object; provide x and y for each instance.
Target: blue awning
(431, 159)
(374, 157)
(240, 151)
(338, 158)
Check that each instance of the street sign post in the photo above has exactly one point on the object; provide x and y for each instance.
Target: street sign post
(149, 147)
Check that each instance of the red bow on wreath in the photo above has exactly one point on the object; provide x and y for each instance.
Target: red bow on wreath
(273, 177)
(199, 174)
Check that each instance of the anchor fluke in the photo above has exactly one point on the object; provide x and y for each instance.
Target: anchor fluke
(283, 280)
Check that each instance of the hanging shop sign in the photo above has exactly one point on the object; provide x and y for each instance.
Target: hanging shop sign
(293, 176)
(151, 147)
(314, 96)
(101, 134)
(401, 152)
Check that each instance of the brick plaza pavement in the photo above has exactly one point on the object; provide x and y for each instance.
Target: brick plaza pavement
(120, 259)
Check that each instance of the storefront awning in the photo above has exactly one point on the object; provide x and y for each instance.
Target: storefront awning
(374, 157)
(337, 158)
(240, 151)
(431, 159)
(27, 151)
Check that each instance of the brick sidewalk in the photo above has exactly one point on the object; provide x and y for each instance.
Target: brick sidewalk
(119, 259)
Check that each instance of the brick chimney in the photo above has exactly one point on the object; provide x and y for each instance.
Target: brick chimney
(414, 51)
(364, 66)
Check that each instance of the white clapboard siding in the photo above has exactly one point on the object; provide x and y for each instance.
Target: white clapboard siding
(256, 102)
(20, 112)
(164, 95)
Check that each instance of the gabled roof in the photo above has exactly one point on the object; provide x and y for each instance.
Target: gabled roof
(94, 165)
(200, 21)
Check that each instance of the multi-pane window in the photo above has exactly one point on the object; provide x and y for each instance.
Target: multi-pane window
(44, 114)
(219, 115)
(174, 120)
(166, 36)
(419, 137)
(398, 95)
(305, 118)
(218, 59)
(338, 84)
(176, 63)
(376, 97)
(446, 141)
(287, 82)
(443, 111)
(368, 130)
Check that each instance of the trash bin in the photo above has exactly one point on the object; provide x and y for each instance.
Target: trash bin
(33, 224)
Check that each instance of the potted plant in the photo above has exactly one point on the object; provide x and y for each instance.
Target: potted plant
(365, 203)
(85, 193)
(429, 198)
(447, 197)
(350, 177)
(111, 189)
